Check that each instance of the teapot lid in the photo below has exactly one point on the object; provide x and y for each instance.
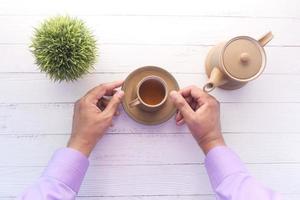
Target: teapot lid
(243, 58)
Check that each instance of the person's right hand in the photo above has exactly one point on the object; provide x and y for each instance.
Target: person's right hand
(201, 112)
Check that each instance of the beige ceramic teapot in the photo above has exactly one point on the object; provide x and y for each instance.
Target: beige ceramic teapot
(230, 65)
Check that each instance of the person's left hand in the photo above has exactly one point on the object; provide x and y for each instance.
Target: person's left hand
(89, 122)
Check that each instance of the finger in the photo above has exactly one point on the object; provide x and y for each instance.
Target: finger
(117, 113)
(193, 91)
(113, 104)
(196, 93)
(181, 104)
(189, 99)
(102, 103)
(194, 105)
(99, 91)
(111, 92)
(178, 116)
(186, 92)
(181, 122)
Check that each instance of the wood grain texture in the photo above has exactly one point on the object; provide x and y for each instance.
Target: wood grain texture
(175, 197)
(260, 121)
(161, 197)
(162, 30)
(218, 8)
(235, 117)
(152, 180)
(37, 88)
(125, 58)
(152, 149)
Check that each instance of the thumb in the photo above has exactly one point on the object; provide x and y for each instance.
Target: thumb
(181, 104)
(113, 104)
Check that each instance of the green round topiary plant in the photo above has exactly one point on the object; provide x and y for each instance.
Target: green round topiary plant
(64, 48)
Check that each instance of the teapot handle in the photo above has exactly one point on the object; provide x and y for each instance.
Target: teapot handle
(265, 39)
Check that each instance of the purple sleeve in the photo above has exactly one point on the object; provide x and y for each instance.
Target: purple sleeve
(230, 179)
(61, 179)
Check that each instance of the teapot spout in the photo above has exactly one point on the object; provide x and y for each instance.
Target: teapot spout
(265, 39)
(216, 79)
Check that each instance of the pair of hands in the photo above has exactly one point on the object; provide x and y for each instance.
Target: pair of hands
(199, 110)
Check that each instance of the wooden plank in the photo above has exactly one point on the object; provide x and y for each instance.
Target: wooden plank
(152, 180)
(158, 197)
(151, 149)
(163, 197)
(260, 121)
(142, 197)
(176, 59)
(253, 8)
(162, 30)
(237, 117)
(37, 88)
(175, 197)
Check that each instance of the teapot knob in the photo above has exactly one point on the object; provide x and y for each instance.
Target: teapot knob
(244, 57)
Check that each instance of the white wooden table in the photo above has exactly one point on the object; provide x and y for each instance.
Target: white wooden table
(261, 121)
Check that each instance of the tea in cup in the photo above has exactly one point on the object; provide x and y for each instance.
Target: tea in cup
(151, 92)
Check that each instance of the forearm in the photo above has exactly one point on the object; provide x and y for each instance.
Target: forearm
(230, 179)
(61, 179)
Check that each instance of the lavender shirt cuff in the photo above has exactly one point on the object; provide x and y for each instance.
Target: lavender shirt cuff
(221, 162)
(68, 166)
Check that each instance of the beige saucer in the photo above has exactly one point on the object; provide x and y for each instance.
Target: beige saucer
(129, 87)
